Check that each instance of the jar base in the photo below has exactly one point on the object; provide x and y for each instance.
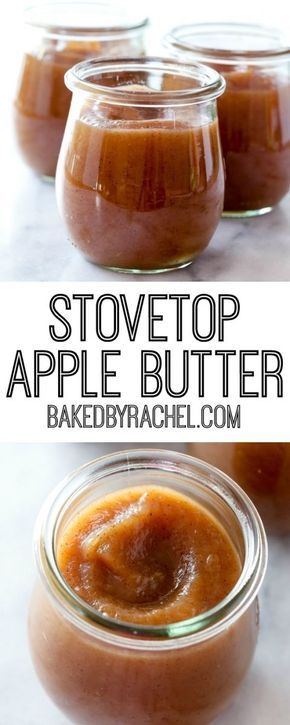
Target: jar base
(47, 179)
(246, 214)
(129, 270)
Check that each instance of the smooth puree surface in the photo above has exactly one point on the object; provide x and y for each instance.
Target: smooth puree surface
(141, 194)
(148, 555)
(254, 118)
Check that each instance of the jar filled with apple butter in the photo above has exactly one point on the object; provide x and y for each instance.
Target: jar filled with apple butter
(140, 178)
(57, 36)
(263, 471)
(254, 111)
(145, 610)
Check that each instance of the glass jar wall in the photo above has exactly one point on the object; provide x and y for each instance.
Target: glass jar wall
(58, 35)
(140, 179)
(254, 112)
(101, 670)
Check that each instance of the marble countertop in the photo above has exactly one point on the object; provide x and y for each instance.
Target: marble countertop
(28, 473)
(34, 244)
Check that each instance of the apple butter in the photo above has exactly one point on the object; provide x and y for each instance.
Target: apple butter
(56, 42)
(42, 105)
(148, 555)
(254, 111)
(139, 185)
(254, 118)
(146, 609)
(263, 471)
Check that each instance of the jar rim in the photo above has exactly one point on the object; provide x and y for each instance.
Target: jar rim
(184, 39)
(181, 633)
(210, 83)
(39, 16)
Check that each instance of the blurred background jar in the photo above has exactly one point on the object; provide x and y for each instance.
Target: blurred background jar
(140, 178)
(58, 35)
(261, 469)
(254, 112)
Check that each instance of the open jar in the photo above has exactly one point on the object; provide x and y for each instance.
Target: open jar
(101, 670)
(58, 35)
(262, 470)
(140, 178)
(254, 112)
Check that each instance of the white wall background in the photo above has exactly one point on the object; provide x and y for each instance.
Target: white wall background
(164, 15)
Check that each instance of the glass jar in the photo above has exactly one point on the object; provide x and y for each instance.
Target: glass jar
(58, 35)
(254, 112)
(262, 470)
(140, 178)
(102, 671)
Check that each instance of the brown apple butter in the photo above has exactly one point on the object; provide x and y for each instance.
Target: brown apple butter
(98, 683)
(254, 118)
(254, 111)
(148, 555)
(57, 36)
(263, 471)
(141, 195)
(146, 606)
(42, 104)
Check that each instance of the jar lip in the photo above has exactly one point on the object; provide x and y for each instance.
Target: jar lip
(40, 16)
(184, 38)
(210, 83)
(180, 633)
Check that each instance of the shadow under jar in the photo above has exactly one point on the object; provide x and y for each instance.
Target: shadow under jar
(140, 178)
(102, 669)
(57, 36)
(254, 112)
(263, 471)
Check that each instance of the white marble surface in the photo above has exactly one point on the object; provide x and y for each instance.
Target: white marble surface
(27, 474)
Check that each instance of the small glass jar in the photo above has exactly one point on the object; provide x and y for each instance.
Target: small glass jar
(140, 179)
(58, 35)
(254, 112)
(262, 470)
(101, 671)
